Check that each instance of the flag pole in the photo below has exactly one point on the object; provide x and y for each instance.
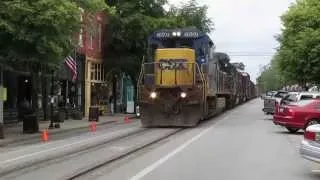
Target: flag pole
(76, 80)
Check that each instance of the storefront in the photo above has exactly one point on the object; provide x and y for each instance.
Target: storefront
(97, 90)
(127, 94)
(58, 88)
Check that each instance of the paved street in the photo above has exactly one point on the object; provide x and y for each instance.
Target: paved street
(241, 144)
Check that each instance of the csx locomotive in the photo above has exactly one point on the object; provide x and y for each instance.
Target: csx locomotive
(183, 80)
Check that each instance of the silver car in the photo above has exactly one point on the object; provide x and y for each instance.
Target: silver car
(310, 145)
(269, 104)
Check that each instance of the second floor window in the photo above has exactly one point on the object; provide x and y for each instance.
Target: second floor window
(99, 37)
(91, 41)
(80, 38)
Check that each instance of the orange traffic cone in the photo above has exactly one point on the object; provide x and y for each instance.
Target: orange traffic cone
(126, 119)
(93, 126)
(44, 136)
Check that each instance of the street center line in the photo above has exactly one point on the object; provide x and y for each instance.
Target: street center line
(162, 160)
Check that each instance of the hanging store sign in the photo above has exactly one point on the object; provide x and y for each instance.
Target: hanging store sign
(3, 93)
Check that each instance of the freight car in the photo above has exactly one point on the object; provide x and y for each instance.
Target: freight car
(183, 81)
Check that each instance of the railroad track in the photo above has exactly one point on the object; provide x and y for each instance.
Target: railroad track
(81, 162)
(126, 153)
(130, 143)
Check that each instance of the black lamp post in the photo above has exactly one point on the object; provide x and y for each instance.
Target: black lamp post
(1, 114)
(52, 101)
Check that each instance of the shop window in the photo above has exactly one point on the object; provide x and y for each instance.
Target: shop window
(97, 72)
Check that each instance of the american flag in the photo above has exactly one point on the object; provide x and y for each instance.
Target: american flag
(72, 65)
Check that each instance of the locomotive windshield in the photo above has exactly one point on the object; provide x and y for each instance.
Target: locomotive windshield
(176, 43)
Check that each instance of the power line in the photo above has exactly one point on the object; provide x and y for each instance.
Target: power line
(251, 55)
(247, 53)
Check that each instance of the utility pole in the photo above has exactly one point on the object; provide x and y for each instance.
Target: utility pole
(1, 106)
(52, 101)
(114, 92)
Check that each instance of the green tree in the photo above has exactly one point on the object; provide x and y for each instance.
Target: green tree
(134, 20)
(270, 78)
(299, 54)
(192, 14)
(38, 34)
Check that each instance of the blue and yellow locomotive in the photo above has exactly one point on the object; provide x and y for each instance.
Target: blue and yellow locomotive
(181, 82)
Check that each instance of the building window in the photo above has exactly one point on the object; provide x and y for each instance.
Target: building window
(91, 41)
(81, 30)
(97, 73)
(81, 38)
(99, 36)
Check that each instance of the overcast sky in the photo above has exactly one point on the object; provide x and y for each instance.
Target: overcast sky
(245, 29)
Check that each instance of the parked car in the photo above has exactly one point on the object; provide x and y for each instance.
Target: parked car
(293, 97)
(298, 115)
(310, 145)
(268, 94)
(269, 104)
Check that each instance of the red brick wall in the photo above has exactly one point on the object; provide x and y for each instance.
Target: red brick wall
(92, 49)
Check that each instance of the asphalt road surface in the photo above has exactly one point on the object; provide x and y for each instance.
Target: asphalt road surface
(241, 144)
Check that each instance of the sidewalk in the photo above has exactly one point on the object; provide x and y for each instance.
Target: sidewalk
(13, 132)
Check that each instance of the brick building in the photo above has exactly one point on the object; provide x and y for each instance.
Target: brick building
(92, 43)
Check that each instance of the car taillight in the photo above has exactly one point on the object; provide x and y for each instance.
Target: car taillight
(288, 111)
(310, 135)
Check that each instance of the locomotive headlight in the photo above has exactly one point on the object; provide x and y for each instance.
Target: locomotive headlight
(153, 95)
(183, 95)
(174, 34)
(178, 34)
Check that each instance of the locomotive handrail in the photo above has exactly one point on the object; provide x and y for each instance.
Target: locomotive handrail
(204, 84)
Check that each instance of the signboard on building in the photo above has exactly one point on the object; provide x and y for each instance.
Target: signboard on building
(3, 93)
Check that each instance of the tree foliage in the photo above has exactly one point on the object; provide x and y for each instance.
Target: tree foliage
(38, 33)
(192, 14)
(134, 20)
(270, 78)
(299, 54)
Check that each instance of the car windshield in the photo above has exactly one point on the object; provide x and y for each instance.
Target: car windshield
(291, 98)
(303, 102)
(280, 94)
(269, 93)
